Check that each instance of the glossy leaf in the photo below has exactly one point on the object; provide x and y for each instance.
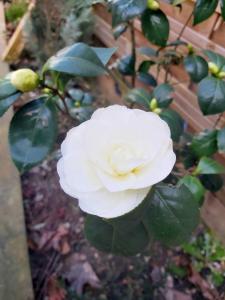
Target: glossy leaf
(175, 122)
(196, 66)
(173, 214)
(125, 10)
(155, 27)
(221, 140)
(81, 114)
(195, 186)
(147, 51)
(104, 54)
(139, 96)
(145, 66)
(177, 2)
(147, 79)
(126, 65)
(211, 95)
(105, 237)
(7, 102)
(216, 58)
(79, 60)
(6, 89)
(162, 93)
(119, 30)
(32, 133)
(212, 182)
(208, 165)
(133, 218)
(203, 10)
(205, 144)
(223, 9)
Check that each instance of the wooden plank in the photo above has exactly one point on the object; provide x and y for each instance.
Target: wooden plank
(15, 280)
(16, 43)
(185, 99)
(184, 96)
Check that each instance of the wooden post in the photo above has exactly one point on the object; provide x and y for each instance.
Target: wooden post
(15, 280)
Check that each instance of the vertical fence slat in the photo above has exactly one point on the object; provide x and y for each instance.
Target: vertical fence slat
(15, 281)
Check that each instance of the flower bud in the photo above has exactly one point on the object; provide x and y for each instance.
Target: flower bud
(153, 104)
(153, 5)
(25, 80)
(47, 91)
(221, 75)
(190, 48)
(213, 68)
(77, 104)
(157, 111)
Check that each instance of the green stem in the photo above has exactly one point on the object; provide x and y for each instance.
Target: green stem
(124, 88)
(184, 27)
(62, 97)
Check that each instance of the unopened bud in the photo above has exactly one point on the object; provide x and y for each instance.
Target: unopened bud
(25, 80)
(213, 68)
(221, 75)
(77, 104)
(153, 104)
(157, 111)
(153, 5)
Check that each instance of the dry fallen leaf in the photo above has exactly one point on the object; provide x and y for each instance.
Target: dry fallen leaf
(79, 273)
(54, 291)
(58, 240)
(208, 292)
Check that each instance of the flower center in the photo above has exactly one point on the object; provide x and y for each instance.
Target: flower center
(124, 160)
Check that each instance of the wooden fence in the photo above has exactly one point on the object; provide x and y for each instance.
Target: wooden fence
(209, 34)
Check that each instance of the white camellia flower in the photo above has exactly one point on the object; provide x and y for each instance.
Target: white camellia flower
(110, 162)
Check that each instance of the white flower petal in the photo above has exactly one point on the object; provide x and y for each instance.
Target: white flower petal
(79, 172)
(156, 171)
(111, 205)
(111, 161)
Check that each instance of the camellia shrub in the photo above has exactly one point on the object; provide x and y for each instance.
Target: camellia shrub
(135, 170)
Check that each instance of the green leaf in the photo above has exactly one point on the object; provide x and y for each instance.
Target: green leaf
(133, 218)
(155, 27)
(203, 10)
(119, 30)
(212, 182)
(208, 165)
(147, 79)
(173, 214)
(107, 238)
(145, 66)
(196, 66)
(139, 96)
(195, 186)
(177, 2)
(78, 60)
(175, 122)
(162, 93)
(125, 10)
(205, 144)
(82, 114)
(7, 102)
(32, 133)
(6, 89)
(126, 65)
(221, 140)
(216, 58)
(211, 95)
(223, 9)
(104, 54)
(147, 51)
